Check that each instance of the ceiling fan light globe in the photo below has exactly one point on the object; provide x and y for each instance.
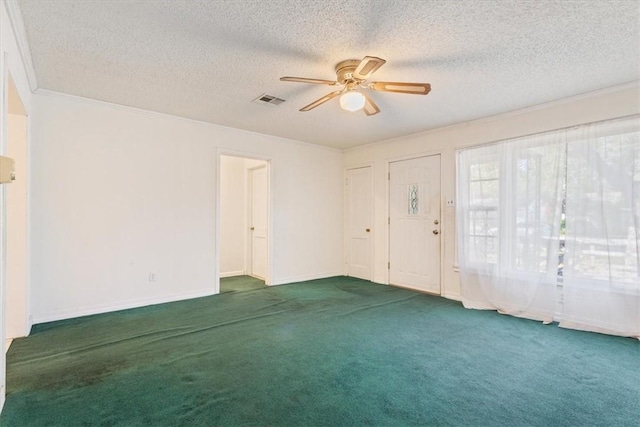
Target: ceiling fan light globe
(352, 101)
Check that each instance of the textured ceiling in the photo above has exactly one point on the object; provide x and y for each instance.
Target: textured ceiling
(209, 60)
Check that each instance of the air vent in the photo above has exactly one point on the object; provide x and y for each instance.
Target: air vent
(268, 99)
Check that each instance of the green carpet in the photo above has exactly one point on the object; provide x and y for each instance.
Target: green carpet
(334, 352)
(240, 284)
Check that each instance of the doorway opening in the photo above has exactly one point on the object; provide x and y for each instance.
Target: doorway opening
(244, 224)
(14, 220)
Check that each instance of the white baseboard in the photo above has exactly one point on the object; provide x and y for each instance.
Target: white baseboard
(304, 278)
(98, 309)
(232, 273)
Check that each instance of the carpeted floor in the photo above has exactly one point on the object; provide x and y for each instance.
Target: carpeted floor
(334, 352)
(240, 284)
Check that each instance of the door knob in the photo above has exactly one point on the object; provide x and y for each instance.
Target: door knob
(435, 232)
(368, 230)
(436, 222)
(253, 228)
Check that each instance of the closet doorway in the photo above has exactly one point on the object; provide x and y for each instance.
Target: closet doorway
(244, 220)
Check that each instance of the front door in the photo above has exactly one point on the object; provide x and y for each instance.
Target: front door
(259, 221)
(359, 221)
(414, 224)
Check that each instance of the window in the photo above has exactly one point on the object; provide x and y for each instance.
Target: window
(524, 209)
(550, 222)
(603, 207)
(483, 210)
(510, 206)
(412, 202)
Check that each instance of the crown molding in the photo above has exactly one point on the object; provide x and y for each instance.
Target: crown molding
(151, 113)
(17, 25)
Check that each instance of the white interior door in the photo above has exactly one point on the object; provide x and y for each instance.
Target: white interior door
(359, 221)
(259, 221)
(414, 218)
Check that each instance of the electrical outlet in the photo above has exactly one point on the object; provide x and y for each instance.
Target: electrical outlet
(450, 203)
(152, 277)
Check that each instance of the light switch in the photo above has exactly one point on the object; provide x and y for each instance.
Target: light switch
(7, 170)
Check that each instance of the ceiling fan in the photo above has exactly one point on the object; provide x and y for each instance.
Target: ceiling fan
(353, 74)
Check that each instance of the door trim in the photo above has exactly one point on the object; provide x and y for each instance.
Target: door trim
(345, 242)
(442, 216)
(247, 155)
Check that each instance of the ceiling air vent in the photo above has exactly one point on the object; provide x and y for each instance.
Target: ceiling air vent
(268, 99)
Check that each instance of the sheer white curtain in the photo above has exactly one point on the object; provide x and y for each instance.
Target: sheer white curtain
(601, 289)
(514, 236)
(509, 208)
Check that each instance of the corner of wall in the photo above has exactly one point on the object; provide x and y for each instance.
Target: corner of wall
(17, 25)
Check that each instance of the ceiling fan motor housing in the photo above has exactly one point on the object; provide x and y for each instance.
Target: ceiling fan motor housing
(345, 69)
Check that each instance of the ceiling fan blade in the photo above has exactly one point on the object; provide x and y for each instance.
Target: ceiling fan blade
(321, 101)
(412, 88)
(370, 107)
(368, 66)
(305, 80)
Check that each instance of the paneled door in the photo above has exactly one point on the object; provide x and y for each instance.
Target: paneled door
(359, 222)
(414, 223)
(259, 221)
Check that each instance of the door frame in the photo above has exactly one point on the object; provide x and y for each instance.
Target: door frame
(345, 265)
(17, 108)
(246, 155)
(4, 103)
(7, 86)
(442, 203)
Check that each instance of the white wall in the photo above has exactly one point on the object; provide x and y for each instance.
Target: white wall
(233, 198)
(119, 193)
(602, 105)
